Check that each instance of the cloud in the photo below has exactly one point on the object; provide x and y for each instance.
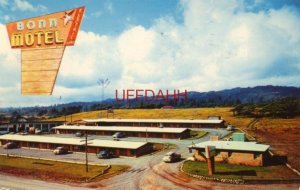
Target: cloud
(219, 45)
(24, 5)
(135, 44)
(3, 3)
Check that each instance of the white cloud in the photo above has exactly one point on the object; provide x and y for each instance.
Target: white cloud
(24, 5)
(136, 44)
(3, 3)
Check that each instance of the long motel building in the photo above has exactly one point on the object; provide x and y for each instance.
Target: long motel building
(148, 132)
(175, 123)
(119, 148)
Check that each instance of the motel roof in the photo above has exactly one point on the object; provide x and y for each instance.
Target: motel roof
(42, 139)
(73, 141)
(233, 145)
(117, 144)
(123, 129)
(200, 121)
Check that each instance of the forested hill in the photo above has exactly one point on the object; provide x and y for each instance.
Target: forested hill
(229, 97)
(234, 96)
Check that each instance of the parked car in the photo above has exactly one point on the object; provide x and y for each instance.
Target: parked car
(37, 131)
(116, 139)
(10, 145)
(119, 135)
(171, 157)
(230, 128)
(78, 134)
(104, 154)
(4, 132)
(60, 150)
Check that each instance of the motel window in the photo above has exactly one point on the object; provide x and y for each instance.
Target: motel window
(132, 152)
(33, 145)
(3, 129)
(122, 152)
(81, 148)
(256, 155)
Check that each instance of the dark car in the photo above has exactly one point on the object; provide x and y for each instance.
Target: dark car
(171, 157)
(10, 145)
(60, 150)
(118, 135)
(104, 154)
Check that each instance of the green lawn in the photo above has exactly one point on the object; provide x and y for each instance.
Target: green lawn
(223, 170)
(197, 134)
(52, 169)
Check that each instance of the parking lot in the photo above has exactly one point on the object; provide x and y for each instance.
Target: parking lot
(181, 147)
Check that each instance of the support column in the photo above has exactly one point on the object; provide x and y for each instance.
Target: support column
(211, 165)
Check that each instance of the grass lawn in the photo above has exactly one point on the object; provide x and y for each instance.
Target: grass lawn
(223, 170)
(51, 169)
(197, 134)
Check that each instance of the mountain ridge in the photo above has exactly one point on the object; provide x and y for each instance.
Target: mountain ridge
(226, 97)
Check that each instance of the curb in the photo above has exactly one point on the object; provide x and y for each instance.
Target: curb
(293, 169)
(49, 159)
(242, 181)
(104, 171)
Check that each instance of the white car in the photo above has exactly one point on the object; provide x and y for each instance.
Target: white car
(60, 150)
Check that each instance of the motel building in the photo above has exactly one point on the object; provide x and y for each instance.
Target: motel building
(119, 148)
(234, 152)
(45, 126)
(176, 123)
(147, 132)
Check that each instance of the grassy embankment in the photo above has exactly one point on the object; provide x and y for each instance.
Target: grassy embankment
(239, 172)
(53, 170)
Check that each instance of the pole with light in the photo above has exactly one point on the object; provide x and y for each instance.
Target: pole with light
(103, 83)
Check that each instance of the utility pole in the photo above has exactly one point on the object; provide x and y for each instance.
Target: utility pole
(86, 154)
(146, 134)
(103, 83)
(86, 150)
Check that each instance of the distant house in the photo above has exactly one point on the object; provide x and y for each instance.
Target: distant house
(234, 152)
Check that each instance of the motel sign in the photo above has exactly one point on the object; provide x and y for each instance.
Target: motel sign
(42, 41)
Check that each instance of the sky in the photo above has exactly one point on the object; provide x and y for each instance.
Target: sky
(197, 45)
